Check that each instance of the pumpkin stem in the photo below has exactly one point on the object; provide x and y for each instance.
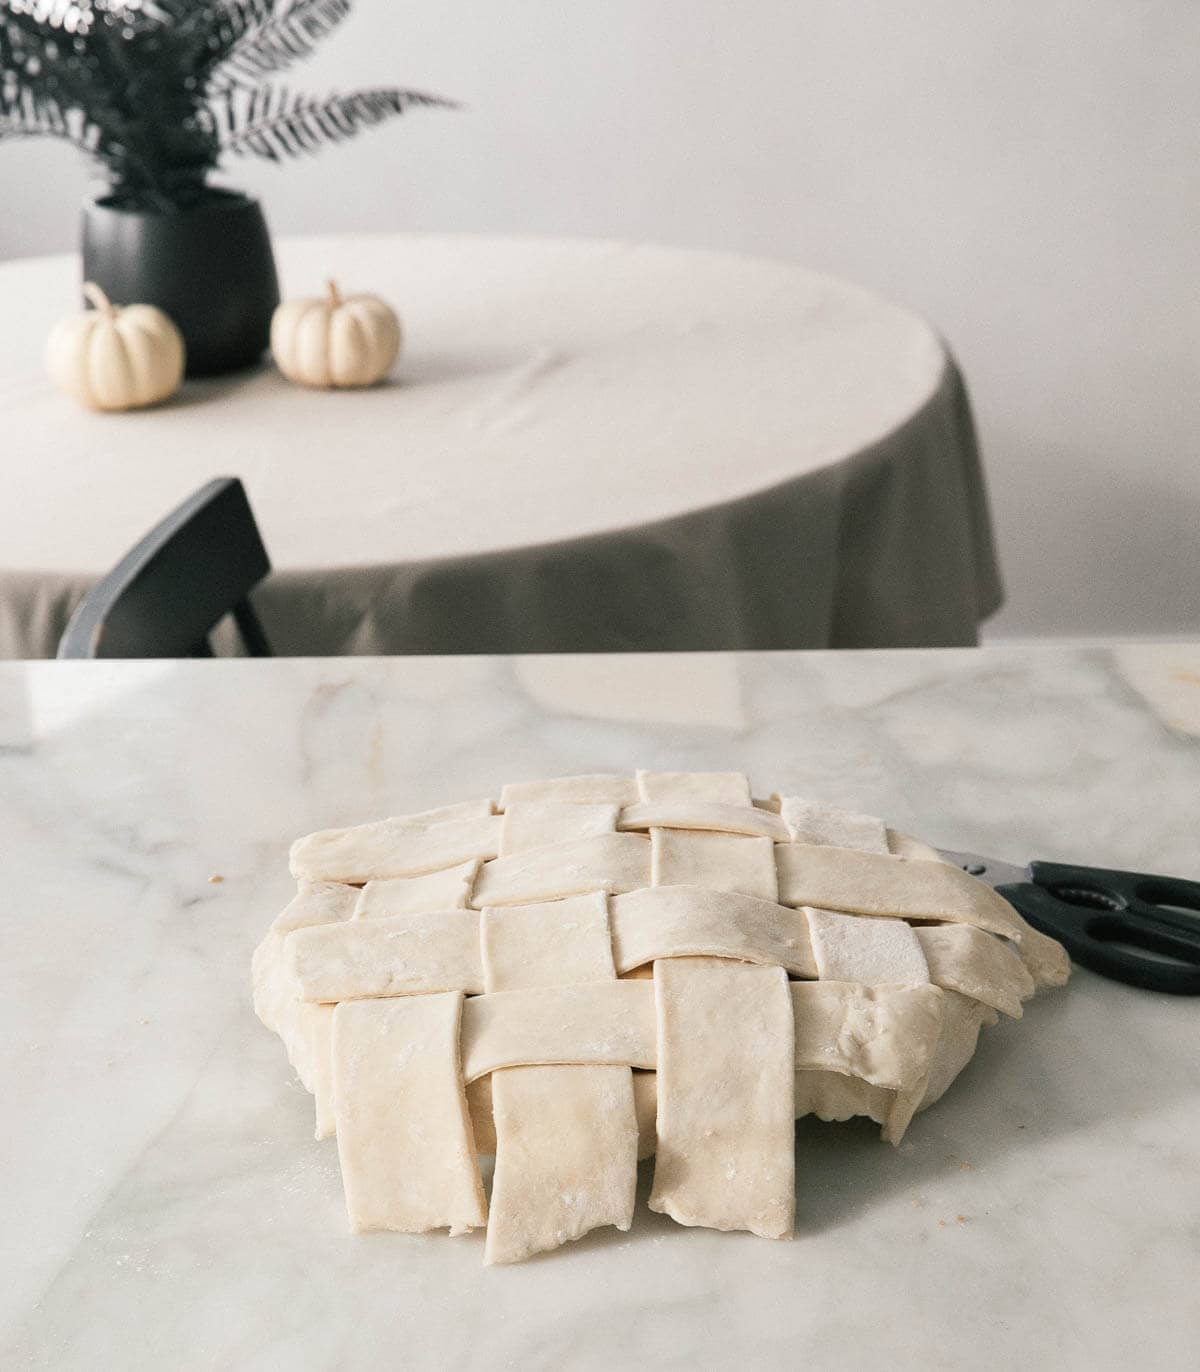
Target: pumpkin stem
(335, 298)
(97, 299)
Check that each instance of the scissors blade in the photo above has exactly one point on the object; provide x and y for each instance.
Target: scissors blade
(991, 870)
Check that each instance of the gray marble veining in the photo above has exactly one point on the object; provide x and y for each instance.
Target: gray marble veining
(166, 1206)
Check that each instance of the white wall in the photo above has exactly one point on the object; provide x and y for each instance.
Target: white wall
(1025, 172)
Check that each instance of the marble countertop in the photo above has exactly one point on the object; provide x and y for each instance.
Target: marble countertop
(166, 1206)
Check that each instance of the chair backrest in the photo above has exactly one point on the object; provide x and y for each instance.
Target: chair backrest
(164, 597)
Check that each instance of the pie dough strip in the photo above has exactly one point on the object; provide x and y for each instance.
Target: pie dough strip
(394, 848)
(874, 884)
(725, 1156)
(566, 1157)
(530, 824)
(551, 943)
(607, 862)
(439, 951)
(886, 1035)
(704, 815)
(811, 822)
(304, 1029)
(722, 862)
(447, 889)
(404, 955)
(1044, 957)
(645, 1103)
(965, 959)
(404, 1135)
(808, 822)
(691, 921)
(872, 952)
(566, 1137)
(724, 1148)
(604, 1023)
(315, 1022)
(314, 903)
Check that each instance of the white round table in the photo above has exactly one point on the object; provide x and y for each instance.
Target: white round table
(584, 446)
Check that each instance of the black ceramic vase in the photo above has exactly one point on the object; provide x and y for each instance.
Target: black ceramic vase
(209, 267)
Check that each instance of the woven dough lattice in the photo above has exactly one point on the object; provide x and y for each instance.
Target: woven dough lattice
(601, 968)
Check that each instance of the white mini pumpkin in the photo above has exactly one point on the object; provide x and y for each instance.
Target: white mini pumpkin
(335, 341)
(109, 358)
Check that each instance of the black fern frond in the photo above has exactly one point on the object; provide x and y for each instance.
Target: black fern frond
(272, 123)
(27, 117)
(49, 70)
(277, 41)
(220, 27)
(158, 90)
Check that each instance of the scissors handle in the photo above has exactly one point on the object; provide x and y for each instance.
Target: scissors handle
(1137, 928)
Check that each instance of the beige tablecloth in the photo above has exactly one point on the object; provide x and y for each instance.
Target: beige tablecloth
(586, 446)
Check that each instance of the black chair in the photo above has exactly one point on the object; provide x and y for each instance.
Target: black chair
(166, 595)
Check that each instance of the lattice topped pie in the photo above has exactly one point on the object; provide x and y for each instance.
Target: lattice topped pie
(600, 968)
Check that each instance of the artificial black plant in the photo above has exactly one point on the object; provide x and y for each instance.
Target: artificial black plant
(160, 90)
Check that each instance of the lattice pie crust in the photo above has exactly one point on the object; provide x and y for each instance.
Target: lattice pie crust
(601, 968)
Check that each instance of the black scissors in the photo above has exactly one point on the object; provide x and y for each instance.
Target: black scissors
(1131, 926)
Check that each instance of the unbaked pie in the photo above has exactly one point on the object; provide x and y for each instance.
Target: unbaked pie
(595, 969)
